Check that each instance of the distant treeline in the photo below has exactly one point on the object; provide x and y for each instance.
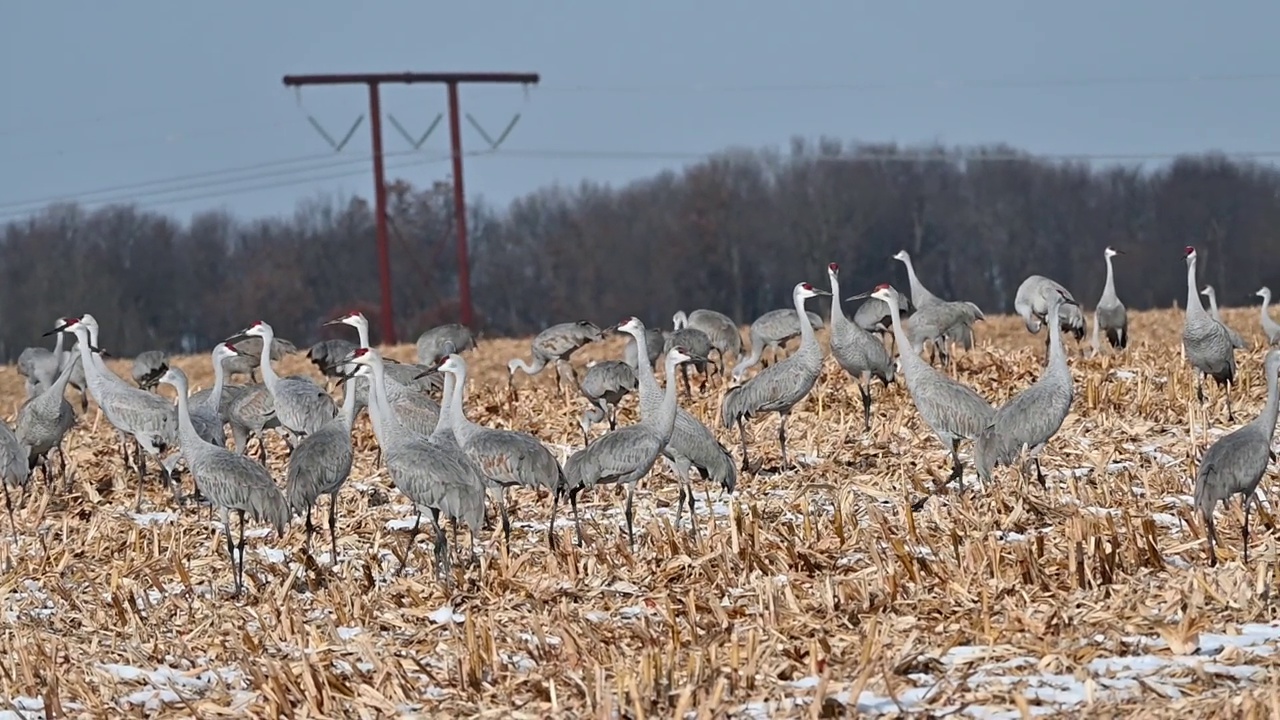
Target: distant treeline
(733, 233)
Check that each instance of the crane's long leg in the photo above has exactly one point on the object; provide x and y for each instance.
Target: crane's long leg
(577, 519)
(240, 552)
(310, 528)
(551, 525)
(628, 512)
(957, 468)
(742, 434)
(8, 508)
(506, 519)
(1040, 474)
(442, 547)
(684, 377)
(1211, 534)
(1231, 416)
(137, 503)
(333, 527)
(1200, 387)
(413, 534)
(231, 546)
(1244, 500)
(782, 439)
(865, 390)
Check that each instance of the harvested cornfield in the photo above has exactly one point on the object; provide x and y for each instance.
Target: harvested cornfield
(816, 592)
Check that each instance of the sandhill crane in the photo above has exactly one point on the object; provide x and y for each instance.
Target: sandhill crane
(229, 481)
(1236, 341)
(147, 417)
(1207, 342)
(43, 421)
(720, 329)
(921, 299)
(219, 397)
(302, 406)
(625, 455)
(692, 445)
(506, 457)
(953, 411)
(14, 471)
(1032, 303)
(860, 353)
(1269, 327)
(325, 355)
(943, 323)
(654, 340)
(780, 386)
(148, 367)
(1236, 462)
(442, 340)
(697, 343)
(555, 345)
(1110, 317)
(604, 385)
(40, 366)
(430, 474)
(1031, 418)
(399, 375)
(772, 329)
(320, 465)
(251, 412)
(249, 357)
(872, 314)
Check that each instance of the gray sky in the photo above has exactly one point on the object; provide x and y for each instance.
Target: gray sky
(101, 95)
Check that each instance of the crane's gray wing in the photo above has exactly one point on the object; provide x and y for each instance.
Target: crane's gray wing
(624, 451)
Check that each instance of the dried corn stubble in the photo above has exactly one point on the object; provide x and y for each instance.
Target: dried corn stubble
(814, 584)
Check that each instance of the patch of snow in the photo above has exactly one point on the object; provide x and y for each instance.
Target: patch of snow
(161, 517)
(347, 633)
(446, 615)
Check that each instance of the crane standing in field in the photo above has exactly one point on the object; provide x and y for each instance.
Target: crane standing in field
(320, 465)
(624, 455)
(302, 406)
(247, 360)
(439, 342)
(1030, 419)
(1032, 303)
(1236, 462)
(692, 444)
(1270, 327)
(772, 329)
(604, 385)
(720, 328)
(43, 421)
(554, 346)
(953, 411)
(1110, 317)
(14, 471)
(781, 385)
(229, 481)
(961, 333)
(148, 367)
(1237, 342)
(1207, 342)
(654, 340)
(860, 353)
(697, 343)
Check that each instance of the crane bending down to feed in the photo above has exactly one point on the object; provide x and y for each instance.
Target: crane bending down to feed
(439, 342)
(302, 406)
(1110, 317)
(1031, 418)
(953, 411)
(507, 458)
(230, 482)
(554, 346)
(692, 444)
(772, 329)
(1236, 341)
(1270, 327)
(781, 385)
(624, 455)
(860, 353)
(604, 385)
(1032, 303)
(1207, 342)
(697, 343)
(1236, 462)
(320, 465)
(720, 329)
(147, 417)
(148, 367)
(942, 324)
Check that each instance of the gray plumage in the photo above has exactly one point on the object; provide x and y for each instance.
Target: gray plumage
(40, 366)
(148, 367)
(442, 340)
(1031, 418)
(507, 458)
(43, 421)
(325, 355)
(1032, 303)
(1235, 464)
(1207, 342)
(230, 482)
(780, 386)
(1269, 327)
(772, 330)
(692, 445)
(921, 299)
(723, 332)
(301, 406)
(920, 295)
(943, 323)
(873, 314)
(953, 411)
(250, 356)
(150, 419)
(698, 344)
(319, 465)
(222, 395)
(860, 353)
(399, 375)
(14, 472)
(624, 455)
(251, 412)
(555, 345)
(432, 475)
(604, 385)
(655, 339)
(1110, 317)
(1236, 341)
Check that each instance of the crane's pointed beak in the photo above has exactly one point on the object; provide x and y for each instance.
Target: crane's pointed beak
(335, 321)
(429, 371)
(238, 337)
(100, 351)
(61, 328)
(859, 296)
(821, 293)
(1119, 252)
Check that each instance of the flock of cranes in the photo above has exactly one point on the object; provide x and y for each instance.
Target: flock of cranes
(449, 466)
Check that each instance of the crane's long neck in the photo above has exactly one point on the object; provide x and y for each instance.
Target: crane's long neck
(665, 422)
(1057, 360)
(539, 362)
(87, 356)
(905, 349)
(1213, 305)
(186, 431)
(918, 293)
(95, 360)
(1109, 290)
(757, 350)
(57, 346)
(463, 428)
(362, 328)
(219, 380)
(445, 421)
(1266, 300)
(807, 338)
(59, 386)
(269, 377)
(644, 370)
(1268, 417)
(837, 311)
(378, 396)
(1193, 295)
(348, 412)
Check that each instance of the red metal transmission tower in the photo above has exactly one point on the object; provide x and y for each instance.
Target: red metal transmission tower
(451, 81)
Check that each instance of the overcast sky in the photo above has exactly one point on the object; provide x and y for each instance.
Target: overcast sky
(114, 95)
